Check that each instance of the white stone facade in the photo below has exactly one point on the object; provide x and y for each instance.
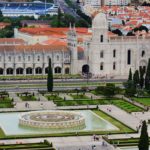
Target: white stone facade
(27, 60)
(103, 56)
(112, 57)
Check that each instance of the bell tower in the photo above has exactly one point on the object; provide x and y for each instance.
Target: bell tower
(72, 45)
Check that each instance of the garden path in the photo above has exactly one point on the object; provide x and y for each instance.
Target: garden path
(15, 97)
(93, 96)
(131, 101)
(121, 115)
(63, 95)
(67, 143)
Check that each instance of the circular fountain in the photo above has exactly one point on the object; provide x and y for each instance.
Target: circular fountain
(52, 119)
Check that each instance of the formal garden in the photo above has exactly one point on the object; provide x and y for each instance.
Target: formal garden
(27, 96)
(30, 146)
(5, 100)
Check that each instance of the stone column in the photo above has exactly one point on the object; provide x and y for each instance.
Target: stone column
(43, 69)
(14, 70)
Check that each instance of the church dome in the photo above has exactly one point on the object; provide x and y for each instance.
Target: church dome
(100, 21)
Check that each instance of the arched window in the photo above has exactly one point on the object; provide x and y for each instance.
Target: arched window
(58, 70)
(29, 58)
(1, 71)
(9, 58)
(29, 70)
(38, 70)
(19, 58)
(67, 71)
(101, 38)
(9, 71)
(101, 66)
(38, 58)
(114, 65)
(101, 54)
(46, 70)
(129, 57)
(19, 71)
(114, 53)
(57, 58)
(143, 53)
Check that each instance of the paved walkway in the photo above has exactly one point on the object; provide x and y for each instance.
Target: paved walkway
(93, 96)
(121, 115)
(65, 96)
(15, 97)
(67, 143)
(35, 105)
(40, 97)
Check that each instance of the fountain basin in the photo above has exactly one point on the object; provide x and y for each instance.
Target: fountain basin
(52, 119)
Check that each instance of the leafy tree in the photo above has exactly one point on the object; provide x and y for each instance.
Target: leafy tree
(118, 32)
(142, 72)
(59, 18)
(50, 78)
(130, 33)
(81, 23)
(144, 140)
(147, 77)
(136, 78)
(130, 75)
(130, 89)
(109, 90)
(143, 28)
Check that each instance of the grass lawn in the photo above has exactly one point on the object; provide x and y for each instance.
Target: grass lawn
(28, 98)
(126, 106)
(44, 146)
(125, 142)
(6, 102)
(80, 102)
(79, 96)
(54, 97)
(143, 101)
(119, 103)
(122, 127)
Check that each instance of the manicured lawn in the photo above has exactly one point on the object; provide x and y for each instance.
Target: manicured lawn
(54, 97)
(41, 146)
(79, 96)
(125, 142)
(122, 127)
(28, 98)
(6, 102)
(144, 101)
(126, 106)
(80, 102)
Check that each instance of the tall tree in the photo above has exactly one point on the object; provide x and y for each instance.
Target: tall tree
(144, 140)
(59, 18)
(142, 72)
(130, 75)
(50, 77)
(147, 77)
(136, 78)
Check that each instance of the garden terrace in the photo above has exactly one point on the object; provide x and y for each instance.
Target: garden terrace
(30, 146)
(125, 142)
(79, 96)
(26, 96)
(143, 101)
(5, 101)
(119, 103)
(53, 97)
